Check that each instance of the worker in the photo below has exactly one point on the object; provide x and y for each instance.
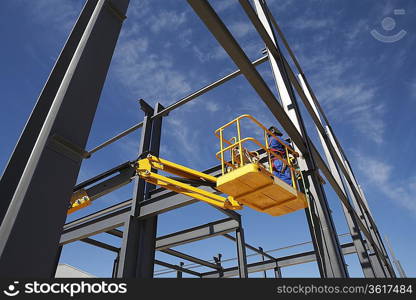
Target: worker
(280, 169)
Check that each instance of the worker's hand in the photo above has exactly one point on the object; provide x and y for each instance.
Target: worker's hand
(295, 154)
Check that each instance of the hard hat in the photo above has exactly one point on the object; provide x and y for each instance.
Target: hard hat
(275, 131)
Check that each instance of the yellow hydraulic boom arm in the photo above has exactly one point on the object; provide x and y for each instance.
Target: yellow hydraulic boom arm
(145, 167)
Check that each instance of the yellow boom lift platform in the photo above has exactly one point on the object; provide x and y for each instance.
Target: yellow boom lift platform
(246, 179)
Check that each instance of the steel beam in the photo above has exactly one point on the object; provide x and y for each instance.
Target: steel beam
(94, 226)
(214, 24)
(189, 258)
(100, 245)
(17, 162)
(148, 226)
(133, 232)
(52, 168)
(178, 268)
(197, 233)
(241, 252)
(281, 262)
(257, 250)
(177, 104)
(315, 154)
(277, 272)
(358, 241)
(323, 231)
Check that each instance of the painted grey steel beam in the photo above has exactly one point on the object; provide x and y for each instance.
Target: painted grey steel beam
(377, 263)
(257, 250)
(107, 186)
(97, 216)
(189, 258)
(100, 244)
(17, 161)
(197, 233)
(57, 258)
(52, 169)
(379, 257)
(262, 259)
(94, 226)
(115, 232)
(177, 104)
(277, 272)
(131, 242)
(323, 231)
(373, 228)
(322, 166)
(343, 165)
(358, 241)
(230, 45)
(104, 175)
(313, 151)
(116, 138)
(179, 273)
(148, 226)
(281, 262)
(241, 252)
(214, 24)
(178, 268)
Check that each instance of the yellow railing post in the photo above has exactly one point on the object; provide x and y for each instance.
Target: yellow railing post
(292, 174)
(231, 151)
(222, 153)
(239, 143)
(268, 152)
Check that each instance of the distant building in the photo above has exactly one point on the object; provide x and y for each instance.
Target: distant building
(67, 271)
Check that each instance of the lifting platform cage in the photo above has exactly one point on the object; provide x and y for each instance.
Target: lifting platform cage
(250, 181)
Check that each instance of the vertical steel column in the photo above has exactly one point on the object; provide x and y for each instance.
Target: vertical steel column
(139, 236)
(241, 252)
(217, 260)
(37, 212)
(395, 260)
(323, 232)
(349, 216)
(179, 273)
(380, 269)
(58, 256)
(115, 265)
(17, 161)
(277, 272)
(379, 241)
(262, 259)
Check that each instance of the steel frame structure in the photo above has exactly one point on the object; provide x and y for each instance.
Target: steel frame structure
(55, 143)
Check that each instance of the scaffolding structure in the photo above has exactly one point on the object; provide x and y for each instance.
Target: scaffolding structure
(47, 158)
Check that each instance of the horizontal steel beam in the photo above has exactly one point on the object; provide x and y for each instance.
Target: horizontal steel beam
(100, 244)
(94, 226)
(190, 258)
(257, 250)
(161, 201)
(281, 262)
(177, 104)
(174, 267)
(197, 233)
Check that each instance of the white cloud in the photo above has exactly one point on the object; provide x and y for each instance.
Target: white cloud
(303, 23)
(413, 89)
(186, 138)
(167, 20)
(381, 175)
(212, 107)
(240, 29)
(58, 14)
(345, 98)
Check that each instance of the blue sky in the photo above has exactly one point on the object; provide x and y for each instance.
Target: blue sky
(366, 87)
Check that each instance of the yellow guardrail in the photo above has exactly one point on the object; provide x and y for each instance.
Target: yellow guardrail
(236, 143)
